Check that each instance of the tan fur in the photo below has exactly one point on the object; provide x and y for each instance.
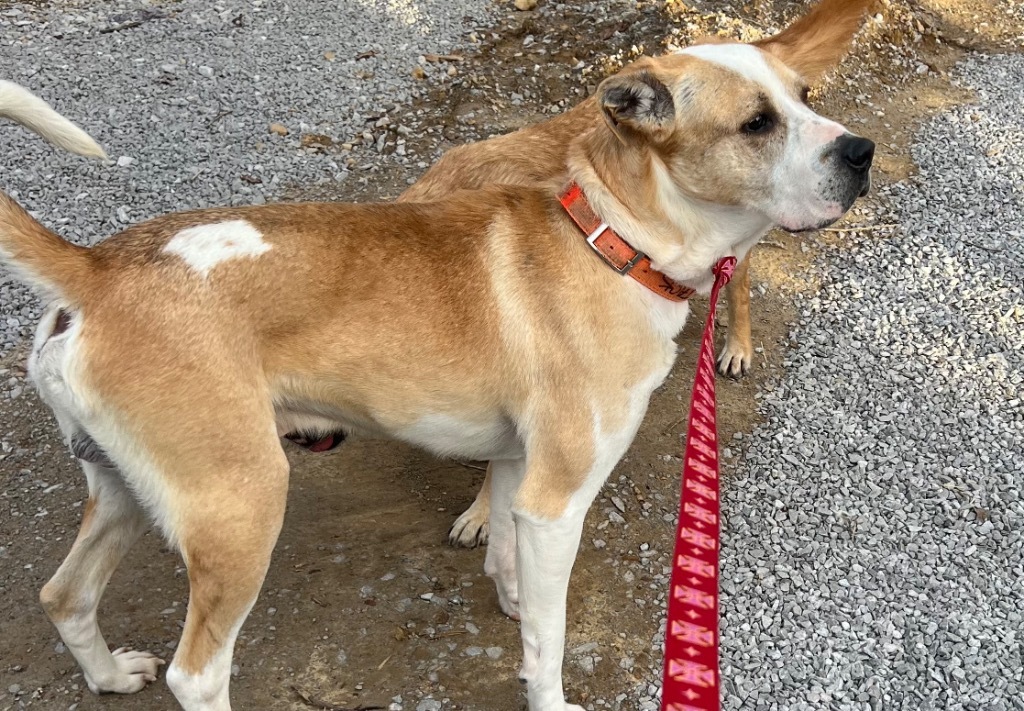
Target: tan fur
(481, 325)
(816, 42)
(43, 259)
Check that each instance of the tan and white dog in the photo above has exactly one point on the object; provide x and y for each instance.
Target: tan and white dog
(537, 154)
(481, 326)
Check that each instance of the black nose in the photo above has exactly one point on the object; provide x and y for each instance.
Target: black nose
(856, 152)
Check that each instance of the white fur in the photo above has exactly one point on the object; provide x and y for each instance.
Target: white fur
(500, 562)
(450, 436)
(22, 106)
(207, 690)
(205, 246)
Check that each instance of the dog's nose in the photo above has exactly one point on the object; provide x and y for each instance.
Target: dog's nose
(857, 152)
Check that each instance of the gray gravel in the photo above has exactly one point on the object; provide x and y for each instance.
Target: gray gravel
(874, 553)
(183, 103)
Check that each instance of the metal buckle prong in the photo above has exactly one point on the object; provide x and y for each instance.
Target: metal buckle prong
(628, 266)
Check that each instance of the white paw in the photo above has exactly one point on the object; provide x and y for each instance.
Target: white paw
(736, 358)
(134, 671)
(471, 528)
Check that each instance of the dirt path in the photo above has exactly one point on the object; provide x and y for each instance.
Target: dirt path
(364, 601)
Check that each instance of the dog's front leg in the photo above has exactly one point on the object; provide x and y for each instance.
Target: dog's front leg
(546, 551)
(549, 512)
(738, 353)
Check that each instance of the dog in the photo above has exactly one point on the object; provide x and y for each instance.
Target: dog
(536, 154)
(22, 106)
(487, 325)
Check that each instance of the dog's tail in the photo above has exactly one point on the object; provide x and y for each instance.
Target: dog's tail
(41, 259)
(22, 106)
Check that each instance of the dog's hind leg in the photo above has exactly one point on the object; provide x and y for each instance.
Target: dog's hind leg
(229, 517)
(500, 562)
(111, 524)
(472, 529)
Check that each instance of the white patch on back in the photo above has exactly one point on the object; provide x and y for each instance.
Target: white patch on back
(206, 246)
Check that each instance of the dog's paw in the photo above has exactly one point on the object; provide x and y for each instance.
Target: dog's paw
(471, 528)
(510, 607)
(736, 358)
(133, 671)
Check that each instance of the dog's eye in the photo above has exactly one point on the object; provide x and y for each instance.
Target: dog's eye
(758, 124)
(805, 94)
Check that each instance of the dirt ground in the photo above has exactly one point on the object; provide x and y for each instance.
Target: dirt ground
(364, 600)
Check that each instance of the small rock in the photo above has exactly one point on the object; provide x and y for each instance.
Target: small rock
(526, 4)
(279, 129)
(124, 161)
(206, 71)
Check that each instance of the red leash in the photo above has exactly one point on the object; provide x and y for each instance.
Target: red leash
(691, 680)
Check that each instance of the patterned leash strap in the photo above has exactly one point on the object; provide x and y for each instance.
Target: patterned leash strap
(691, 679)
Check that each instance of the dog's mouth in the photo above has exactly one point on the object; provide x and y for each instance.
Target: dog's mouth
(809, 228)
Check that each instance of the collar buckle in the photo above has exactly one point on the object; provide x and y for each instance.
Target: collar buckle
(625, 268)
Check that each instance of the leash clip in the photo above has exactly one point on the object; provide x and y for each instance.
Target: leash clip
(724, 269)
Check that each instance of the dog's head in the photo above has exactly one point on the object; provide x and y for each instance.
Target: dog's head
(729, 124)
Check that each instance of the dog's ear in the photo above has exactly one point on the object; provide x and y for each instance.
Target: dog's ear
(817, 41)
(637, 102)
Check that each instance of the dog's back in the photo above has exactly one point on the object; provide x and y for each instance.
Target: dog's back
(22, 106)
(530, 156)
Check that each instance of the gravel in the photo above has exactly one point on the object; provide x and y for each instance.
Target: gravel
(874, 554)
(182, 96)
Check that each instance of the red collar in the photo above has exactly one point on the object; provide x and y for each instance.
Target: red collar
(615, 250)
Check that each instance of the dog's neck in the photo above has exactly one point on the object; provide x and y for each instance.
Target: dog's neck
(633, 192)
